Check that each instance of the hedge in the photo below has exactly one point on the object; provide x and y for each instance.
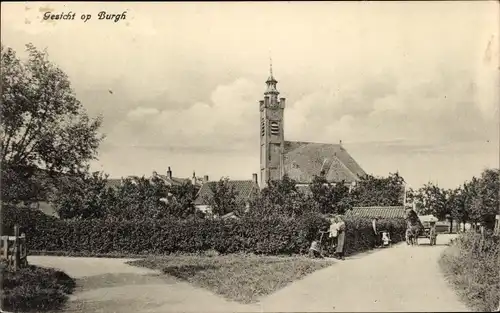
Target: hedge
(472, 265)
(36, 289)
(271, 235)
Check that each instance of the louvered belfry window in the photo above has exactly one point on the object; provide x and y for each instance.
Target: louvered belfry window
(275, 128)
(262, 127)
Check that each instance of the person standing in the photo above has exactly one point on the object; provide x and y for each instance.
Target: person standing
(374, 227)
(333, 233)
(432, 233)
(340, 237)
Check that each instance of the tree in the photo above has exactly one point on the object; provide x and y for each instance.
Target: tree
(224, 197)
(483, 197)
(379, 191)
(430, 199)
(183, 200)
(457, 203)
(43, 125)
(281, 197)
(82, 196)
(139, 198)
(330, 198)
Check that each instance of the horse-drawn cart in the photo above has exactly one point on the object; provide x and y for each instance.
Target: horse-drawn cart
(428, 228)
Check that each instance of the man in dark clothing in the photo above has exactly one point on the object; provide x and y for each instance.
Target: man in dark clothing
(377, 236)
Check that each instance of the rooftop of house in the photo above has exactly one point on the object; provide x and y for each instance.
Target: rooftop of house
(173, 180)
(244, 190)
(304, 160)
(378, 212)
(168, 179)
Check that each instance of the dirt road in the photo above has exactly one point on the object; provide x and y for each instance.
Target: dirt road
(400, 278)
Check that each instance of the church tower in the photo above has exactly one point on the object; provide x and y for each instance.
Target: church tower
(271, 133)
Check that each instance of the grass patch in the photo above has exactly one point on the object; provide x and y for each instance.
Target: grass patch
(35, 289)
(112, 255)
(238, 277)
(472, 265)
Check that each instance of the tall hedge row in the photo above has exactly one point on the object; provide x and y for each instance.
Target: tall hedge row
(271, 235)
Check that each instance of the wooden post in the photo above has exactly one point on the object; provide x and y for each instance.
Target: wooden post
(16, 248)
(5, 247)
(24, 253)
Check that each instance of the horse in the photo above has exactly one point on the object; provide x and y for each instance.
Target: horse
(412, 232)
(412, 227)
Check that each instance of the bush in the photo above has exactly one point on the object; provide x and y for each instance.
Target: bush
(272, 235)
(472, 265)
(360, 236)
(36, 289)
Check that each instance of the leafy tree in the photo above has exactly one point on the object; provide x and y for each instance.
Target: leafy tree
(379, 191)
(281, 197)
(43, 125)
(330, 198)
(457, 203)
(82, 196)
(224, 197)
(472, 200)
(139, 197)
(183, 197)
(433, 200)
(483, 197)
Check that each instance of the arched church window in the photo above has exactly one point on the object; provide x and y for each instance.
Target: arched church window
(262, 127)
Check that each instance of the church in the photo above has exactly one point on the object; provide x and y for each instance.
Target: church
(299, 160)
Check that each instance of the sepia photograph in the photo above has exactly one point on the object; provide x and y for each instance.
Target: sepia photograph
(319, 156)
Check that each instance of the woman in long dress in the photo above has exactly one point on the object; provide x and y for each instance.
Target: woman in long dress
(333, 233)
(340, 237)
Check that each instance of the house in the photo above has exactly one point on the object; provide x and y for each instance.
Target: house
(299, 160)
(245, 191)
(378, 212)
(168, 179)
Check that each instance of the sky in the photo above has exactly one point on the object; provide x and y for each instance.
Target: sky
(411, 87)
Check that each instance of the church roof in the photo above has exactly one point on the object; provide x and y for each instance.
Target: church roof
(244, 190)
(304, 160)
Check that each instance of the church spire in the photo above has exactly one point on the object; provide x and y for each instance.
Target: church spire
(271, 81)
(271, 66)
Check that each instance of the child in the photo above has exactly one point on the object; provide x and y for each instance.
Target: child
(315, 249)
(386, 239)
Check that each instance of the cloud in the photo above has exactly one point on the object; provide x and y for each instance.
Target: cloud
(228, 119)
(422, 113)
(186, 79)
(142, 113)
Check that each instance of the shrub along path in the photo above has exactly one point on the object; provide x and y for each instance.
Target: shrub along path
(398, 279)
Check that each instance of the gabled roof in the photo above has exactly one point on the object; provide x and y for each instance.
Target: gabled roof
(378, 212)
(173, 181)
(244, 190)
(304, 160)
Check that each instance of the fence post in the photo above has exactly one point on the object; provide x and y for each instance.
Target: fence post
(16, 248)
(5, 247)
(24, 252)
